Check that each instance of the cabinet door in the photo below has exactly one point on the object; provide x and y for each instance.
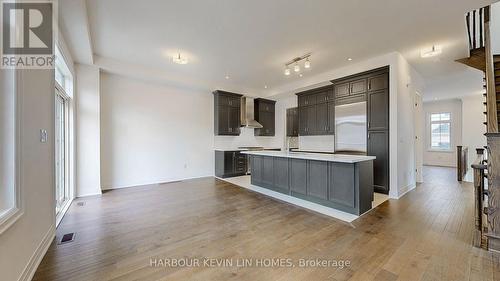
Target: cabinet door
(378, 110)
(234, 120)
(289, 123)
(317, 180)
(358, 87)
(311, 120)
(298, 175)
(268, 170)
(222, 119)
(322, 118)
(331, 118)
(295, 118)
(240, 163)
(234, 101)
(228, 162)
(378, 146)
(256, 169)
(322, 97)
(303, 121)
(341, 188)
(341, 90)
(281, 173)
(379, 82)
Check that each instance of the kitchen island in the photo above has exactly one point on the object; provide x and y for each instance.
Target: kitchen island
(342, 182)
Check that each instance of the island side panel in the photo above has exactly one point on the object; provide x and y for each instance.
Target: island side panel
(298, 176)
(281, 175)
(365, 185)
(256, 170)
(342, 185)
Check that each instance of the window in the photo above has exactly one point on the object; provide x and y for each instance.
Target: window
(440, 126)
(10, 193)
(63, 94)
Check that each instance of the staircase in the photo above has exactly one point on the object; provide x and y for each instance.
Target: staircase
(487, 165)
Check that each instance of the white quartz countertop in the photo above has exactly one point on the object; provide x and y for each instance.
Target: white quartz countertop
(342, 158)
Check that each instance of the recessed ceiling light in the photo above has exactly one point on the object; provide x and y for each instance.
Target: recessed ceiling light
(227, 76)
(300, 75)
(432, 52)
(180, 60)
(349, 59)
(265, 87)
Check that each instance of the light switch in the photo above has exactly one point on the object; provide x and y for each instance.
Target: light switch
(43, 136)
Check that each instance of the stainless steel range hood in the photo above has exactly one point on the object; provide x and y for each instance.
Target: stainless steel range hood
(247, 114)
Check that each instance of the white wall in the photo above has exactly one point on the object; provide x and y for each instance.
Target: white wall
(88, 179)
(473, 129)
(409, 82)
(437, 158)
(151, 133)
(25, 242)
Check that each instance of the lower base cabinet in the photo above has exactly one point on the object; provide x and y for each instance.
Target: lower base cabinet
(344, 186)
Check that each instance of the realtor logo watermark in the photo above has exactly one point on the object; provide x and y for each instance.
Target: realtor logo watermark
(27, 40)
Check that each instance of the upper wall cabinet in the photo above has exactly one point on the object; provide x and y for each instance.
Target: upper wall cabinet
(292, 122)
(227, 113)
(316, 112)
(264, 112)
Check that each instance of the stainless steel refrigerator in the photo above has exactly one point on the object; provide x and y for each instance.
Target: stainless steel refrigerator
(350, 128)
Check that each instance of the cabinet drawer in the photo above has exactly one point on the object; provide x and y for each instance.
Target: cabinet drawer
(379, 82)
(307, 100)
(358, 87)
(341, 90)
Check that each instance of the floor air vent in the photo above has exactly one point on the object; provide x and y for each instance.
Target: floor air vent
(68, 237)
(80, 204)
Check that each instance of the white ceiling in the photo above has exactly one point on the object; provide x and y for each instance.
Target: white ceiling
(250, 40)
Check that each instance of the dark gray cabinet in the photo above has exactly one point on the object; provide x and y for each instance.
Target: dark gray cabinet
(298, 176)
(227, 116)
(256, 168)
(314, 112)
(372, 87)
(378, 146)
(292, 122)
(281, 175)
(230, 164)
(378, 110)
(317, 179)
(344, 186)
(268, 170)
(264, 111)
(342, 175)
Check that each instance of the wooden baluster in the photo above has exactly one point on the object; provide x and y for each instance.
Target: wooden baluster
(467, 20)
(481, 24)
(474, 29)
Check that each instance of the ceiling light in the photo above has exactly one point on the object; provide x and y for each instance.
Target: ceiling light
(307, 64)
(227, 76)
(265, 87)
(434, 51)
(295, 62)
(180, 60)
(349, 59)
(300, 75)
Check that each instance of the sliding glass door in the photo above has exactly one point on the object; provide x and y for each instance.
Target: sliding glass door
(62, 188)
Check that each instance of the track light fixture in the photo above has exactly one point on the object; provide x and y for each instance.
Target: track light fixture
(296, 66)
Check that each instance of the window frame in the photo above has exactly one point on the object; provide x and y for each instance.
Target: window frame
(10, 216)
(450, 122)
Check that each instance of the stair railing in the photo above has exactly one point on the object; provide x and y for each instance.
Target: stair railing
(479, 166)
(491, 98)
(475, 28)
(462, 155)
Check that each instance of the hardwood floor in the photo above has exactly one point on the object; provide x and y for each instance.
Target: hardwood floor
(426, 235)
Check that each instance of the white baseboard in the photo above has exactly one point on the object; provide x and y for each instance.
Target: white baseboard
(406, 189)
(36, 258)
(154, 182)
